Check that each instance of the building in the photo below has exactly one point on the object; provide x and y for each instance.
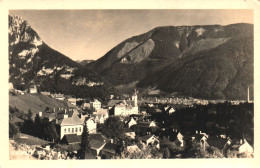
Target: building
(100, 115)
(109, 151)
(95, 104)
(124, 107)
(33, 89)
(72, 101)
(70, 139)
(129, 133)
(91, 125)
(169, 109)
(46, 93)
(151, 140)
(11, 86)
(58, 96)
(95, 147)
(70, 125)
(238, 148)
(69, 121)
(131, 122)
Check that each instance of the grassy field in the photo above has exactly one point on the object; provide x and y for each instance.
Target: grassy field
(35, 102)
(29, 140)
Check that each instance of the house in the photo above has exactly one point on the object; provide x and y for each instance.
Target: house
(71, 139)
(200, 138)
(58, 96)
(131, 122)
(86, 105)
(95, 104)
(71, 125)
(151, 140)
(144, 127)
(129, 133)
(240, 147)
(169, 109)
(218, 142)
(46, 93)
(32, 89)
(132, 149)
(96, 146)
(72, 101)
(91, 125)
(109, 151)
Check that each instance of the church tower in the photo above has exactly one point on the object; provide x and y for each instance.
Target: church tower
(134, 98)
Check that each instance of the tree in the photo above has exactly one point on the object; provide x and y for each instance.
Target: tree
(113, 128)
(85, 144)
(13, 130)
(50, 132)
(166, 153)
(30, 114)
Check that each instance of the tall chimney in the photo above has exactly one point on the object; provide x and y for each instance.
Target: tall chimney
(40, 114)
(248, 98)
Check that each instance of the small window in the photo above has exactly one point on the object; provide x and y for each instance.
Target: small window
(79, 129)
(68, 129)
(72, 130)
(64, 130)
(76, 129)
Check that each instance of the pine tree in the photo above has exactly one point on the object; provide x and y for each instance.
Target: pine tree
(85, 145)
(30, 114)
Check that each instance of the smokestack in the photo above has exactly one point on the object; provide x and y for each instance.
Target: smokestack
(248, 94)
(65, 115)
(40, 114)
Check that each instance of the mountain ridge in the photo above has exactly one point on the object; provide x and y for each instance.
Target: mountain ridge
(133, 60)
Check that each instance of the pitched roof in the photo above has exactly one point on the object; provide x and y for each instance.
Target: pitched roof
(128, 130)
(98, 137)
(109, 147)
(146, 137)
(72, 138)
(73, 120)
(217, 142)
(96, 144)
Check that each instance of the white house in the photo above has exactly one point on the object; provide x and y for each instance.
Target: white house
(95, 104)
(151, 140)
(72, 101)
(70, 125)
(131, 122)
(91, 125)
(33, 89)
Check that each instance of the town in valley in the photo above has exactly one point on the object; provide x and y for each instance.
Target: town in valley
(131, 84)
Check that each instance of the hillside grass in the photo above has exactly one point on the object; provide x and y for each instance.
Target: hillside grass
(35, 102)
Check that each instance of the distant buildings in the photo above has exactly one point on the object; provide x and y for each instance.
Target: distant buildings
(124, 107)
(96, 105)
(58, 96)
(33, 89)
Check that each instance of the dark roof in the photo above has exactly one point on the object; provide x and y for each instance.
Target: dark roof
(146, 137)
(128, 130)
(98, 137)
(217, 142)
(95, 144)
(109, 147)
(72, 138)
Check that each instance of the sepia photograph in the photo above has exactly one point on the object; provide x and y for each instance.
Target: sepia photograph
(120, 84)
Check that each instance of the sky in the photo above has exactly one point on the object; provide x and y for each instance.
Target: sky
(90, 34)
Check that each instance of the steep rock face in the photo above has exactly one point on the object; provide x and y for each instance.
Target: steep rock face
(33, 62)
(207, 61)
